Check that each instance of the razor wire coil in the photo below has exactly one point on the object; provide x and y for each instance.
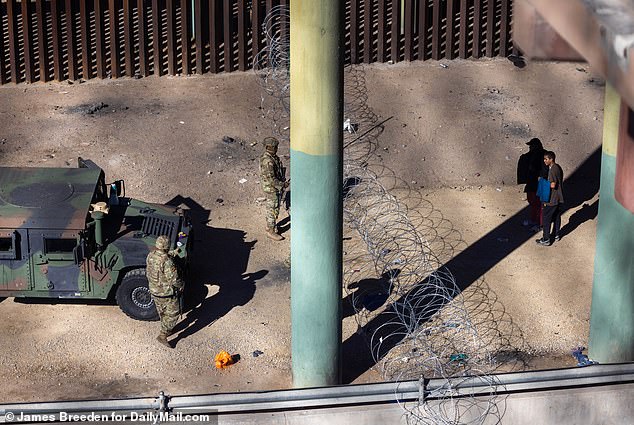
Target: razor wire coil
(411, 309)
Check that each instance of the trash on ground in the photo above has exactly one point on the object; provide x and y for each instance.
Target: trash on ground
(224, 359)
(257, 353)
(459, 357)
(582, 359)
(91, 109)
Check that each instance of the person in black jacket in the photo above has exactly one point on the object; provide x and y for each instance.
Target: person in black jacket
(529, 168)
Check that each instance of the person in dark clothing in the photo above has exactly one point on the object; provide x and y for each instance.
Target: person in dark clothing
(553, 209)
(530, 168)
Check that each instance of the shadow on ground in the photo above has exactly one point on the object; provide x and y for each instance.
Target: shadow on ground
(472, 263)
(220, 257)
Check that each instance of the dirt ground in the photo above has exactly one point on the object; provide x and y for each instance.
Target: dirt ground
(455, 136)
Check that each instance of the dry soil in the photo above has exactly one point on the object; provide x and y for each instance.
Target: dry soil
(455, 137)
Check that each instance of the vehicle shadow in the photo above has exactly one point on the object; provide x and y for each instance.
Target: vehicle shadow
(469, 266)
(220, 257)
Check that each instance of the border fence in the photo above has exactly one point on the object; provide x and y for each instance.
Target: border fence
(43, 40)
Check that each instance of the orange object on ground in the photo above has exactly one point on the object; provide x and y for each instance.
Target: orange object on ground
(223, 359)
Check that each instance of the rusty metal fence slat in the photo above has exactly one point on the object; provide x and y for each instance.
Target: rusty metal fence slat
(198, 36)
(27, 36)
(368, 30)
(408, 16)
(56, 35)
(435, 38)
(2, 48)
(14, 53)
(100, 39)
(71, 47)
(113, 21)
(449, 29)
(144, 65)
(490, 31)
(353, 31)
(157, 54)
(504, 29)
(256, 28)
(228, 32)
(242, 36)
(423, 29)
(464, 27)
(42, 46)
(128, 37)
(171, 37)
(185, 36)
(213, 37)
(382, 31)
(395, 36)
(85, 42)
(477, 29)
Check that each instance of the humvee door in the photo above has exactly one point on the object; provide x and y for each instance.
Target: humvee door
(56, 265)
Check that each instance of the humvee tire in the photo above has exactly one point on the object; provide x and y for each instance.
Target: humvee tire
(133, 296)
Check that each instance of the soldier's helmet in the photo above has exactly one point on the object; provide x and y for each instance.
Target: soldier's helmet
(271, 142)
(162, 243)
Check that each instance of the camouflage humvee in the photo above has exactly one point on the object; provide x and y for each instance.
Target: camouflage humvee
(62, 235)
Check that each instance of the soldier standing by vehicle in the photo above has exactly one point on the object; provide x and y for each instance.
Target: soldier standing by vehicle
(165, 287)
(273, 180)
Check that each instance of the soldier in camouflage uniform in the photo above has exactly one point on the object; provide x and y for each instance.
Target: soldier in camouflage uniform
(273, 183)
(165, 287)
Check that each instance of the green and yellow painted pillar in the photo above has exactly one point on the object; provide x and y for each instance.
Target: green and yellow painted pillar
(316, 186)
(612, 312)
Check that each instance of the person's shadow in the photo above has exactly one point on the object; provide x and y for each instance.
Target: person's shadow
(583, 214)
(219, 257)
(370, 293)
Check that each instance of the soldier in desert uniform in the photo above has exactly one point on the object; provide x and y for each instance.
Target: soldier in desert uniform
(273, 180)
(165, 287)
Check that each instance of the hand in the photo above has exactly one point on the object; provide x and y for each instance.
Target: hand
(287, 184)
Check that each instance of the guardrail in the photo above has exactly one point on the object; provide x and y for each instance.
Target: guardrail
(587, 395)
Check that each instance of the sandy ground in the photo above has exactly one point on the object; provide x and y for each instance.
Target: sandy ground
(453, 139)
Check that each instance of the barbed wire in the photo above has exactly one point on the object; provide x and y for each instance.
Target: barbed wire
(411, 310)
(272, 66)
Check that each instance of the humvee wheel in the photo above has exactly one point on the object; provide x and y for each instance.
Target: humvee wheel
(133, 296)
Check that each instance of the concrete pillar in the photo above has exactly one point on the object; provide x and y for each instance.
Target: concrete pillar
(316, 187)
(612, 312)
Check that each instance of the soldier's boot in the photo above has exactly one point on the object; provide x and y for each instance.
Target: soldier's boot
(271, 233)
(162, 338)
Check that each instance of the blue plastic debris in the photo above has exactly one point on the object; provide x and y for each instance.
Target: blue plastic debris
(460, 358)
(582, 359)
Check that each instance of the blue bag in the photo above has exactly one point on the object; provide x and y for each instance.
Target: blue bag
(543, 189)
